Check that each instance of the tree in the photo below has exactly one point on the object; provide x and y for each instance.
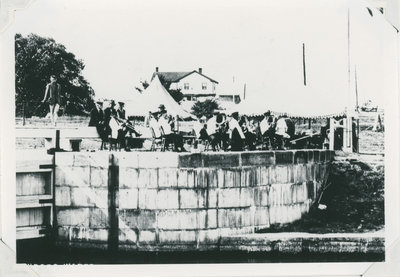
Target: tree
(36, 59)
(143, 86)
(175, 93)
(204, 108)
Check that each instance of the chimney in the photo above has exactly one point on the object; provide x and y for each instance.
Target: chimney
(157, 69)
(200, 70)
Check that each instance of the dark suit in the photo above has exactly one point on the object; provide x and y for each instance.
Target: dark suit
(96, 116)
(97, 120)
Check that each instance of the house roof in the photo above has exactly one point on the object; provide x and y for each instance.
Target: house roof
(174, 77)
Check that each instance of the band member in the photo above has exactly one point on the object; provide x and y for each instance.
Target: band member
(284, 130)
(121, 111)
(97, 118)
(250, 137)
(169, 135)
(108, 112)
(212, 131)
(236, 133)
(267, 129)
(52, 95)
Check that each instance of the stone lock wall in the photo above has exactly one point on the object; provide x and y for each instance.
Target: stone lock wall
(167, 200)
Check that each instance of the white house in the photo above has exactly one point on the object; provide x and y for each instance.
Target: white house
(194, 85)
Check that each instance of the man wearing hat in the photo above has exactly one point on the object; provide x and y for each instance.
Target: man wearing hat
(267, 129)
(121, 110)
(97, 118)
(236, 133)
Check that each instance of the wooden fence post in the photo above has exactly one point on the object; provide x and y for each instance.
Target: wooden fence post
(113, 199)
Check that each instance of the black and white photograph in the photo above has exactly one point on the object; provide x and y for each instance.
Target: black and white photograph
(187, 132)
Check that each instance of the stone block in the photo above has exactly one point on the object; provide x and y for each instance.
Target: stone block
(201, 178)
(73, 217)
(128, 159)
(147, 178)
(202, 197)
(60, 176)
(177, 237)
(99, 177)
(229, 197)
(128, 198)
(138, 219)
(265, 178)
(280, 174)
(283, 157)
(261, 196)
(98, 218)
(177, 220)
(310, 172)
(74, 176)
(250, 177)
(191, 178)
(213, 198)
(147, 237)
(232, 178)
(100, 198)
(223, 160)
(182, 178)
(261, 217)
(158, 159)
(127, 236)
(128, 177)
(212, 217)
(93, 159)
(190, 160)
(188, 198)
(300, 157)
(300, 173)
(310, 156)
(202, 219)
(167, 177)
(209, 236)
(80, 197)
(316, 156)
(168, 199)
(231, 218)
(212, 177)
(63, 196)
(257, 158)
(147, 199)
(246, 197)
(64, 159)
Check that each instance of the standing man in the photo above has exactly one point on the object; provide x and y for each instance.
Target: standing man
(236, 133)
(52, 95)
(97, 117)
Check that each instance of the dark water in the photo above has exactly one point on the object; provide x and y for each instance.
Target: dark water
(41, 251)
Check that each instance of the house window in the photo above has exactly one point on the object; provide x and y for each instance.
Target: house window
(186, 86)
(203, 86)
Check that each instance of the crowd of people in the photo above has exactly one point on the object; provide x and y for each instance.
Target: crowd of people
(237, 133)
(223, 132)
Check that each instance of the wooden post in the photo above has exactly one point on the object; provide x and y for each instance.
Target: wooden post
(331, 134)
(57, 147)
(347, 134)
(113, 199)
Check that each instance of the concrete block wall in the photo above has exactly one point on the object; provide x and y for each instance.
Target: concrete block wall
(169, 200)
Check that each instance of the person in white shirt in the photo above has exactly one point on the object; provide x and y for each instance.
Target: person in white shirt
(236, 133)
(281, 132)
(169, 135)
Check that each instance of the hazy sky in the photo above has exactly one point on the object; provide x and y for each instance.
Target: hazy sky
(121, 42)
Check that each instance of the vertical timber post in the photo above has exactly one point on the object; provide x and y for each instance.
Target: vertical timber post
(331, 134)
(113, 200)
